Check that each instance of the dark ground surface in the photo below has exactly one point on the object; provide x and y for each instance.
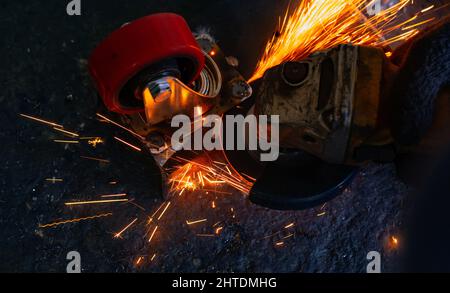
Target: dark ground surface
(43, 73)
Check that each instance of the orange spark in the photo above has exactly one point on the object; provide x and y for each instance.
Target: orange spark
(165, 209)
(418, 24)
(150, 219)
(212, 181)
(139, 260)
(289, 225)
(54, 180)
(119, 234)
(136, 205)
(153, 234)
(95, 141)
(66, 141)
(42, 121)
(127, 143)
(94, 202)
(394, 241)
(195, 175)
(206, 235)
(427, 9)
(114, 195)
(228, 170)
(316, 25)
(218, 230)
(74, 220)
(120, 126)
(195, 222)
(95, 159)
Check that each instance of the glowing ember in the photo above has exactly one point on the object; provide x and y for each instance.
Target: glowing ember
(150, 220)
(393, 242)
(95, 141)
(316, 25)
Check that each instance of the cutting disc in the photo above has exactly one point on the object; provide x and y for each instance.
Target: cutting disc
(296, 180)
